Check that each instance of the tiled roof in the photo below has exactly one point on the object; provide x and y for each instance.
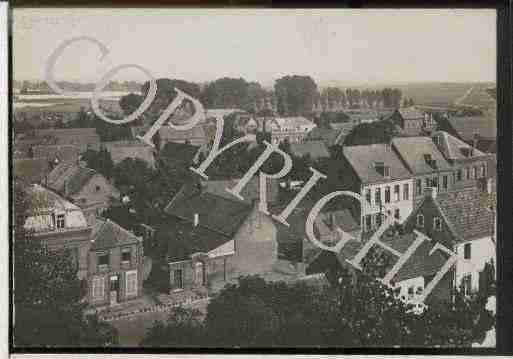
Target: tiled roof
(179, 152)
(119, 150)
(31, 170)
(69, 178)
(344, 127)
(221, 112)
(108, 234)
(363, 158)
(286, 122)
(43, 202)
(315, 149)
(169, 134)
(466, 127)
(410, 113)
(64, 153)
(452, 147)
(328, 135)
(468, 212)
(413, 151)
(250, 192)
(215, 213)
(74, 136)
(340, 218)
(420, 264)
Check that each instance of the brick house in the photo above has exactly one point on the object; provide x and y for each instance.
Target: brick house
(412, 122)
(411, 279)
(380, 177)
(85, 187)
(108, 257)
(60, 224)
(426, 163)
(469, 163)
(464, 221)
(115, 268)
(216, 239)
(294, 129)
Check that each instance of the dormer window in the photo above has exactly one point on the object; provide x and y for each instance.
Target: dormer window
(467, 151)
(429, 160)
(382, 169)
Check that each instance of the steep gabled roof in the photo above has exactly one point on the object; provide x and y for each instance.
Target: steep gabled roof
(328, 135)
(108, 234)
(169, 134)
(452, 147)
(119, 150)
(413, 151)
(467, 127)
(180, 152)
(410, 113)
(470, 212)
(363, 159)
(250, 192)
(215, 213)
(69, 178)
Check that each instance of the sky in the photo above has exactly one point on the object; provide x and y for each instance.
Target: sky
(350, 46)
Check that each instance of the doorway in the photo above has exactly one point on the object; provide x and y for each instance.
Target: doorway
(114, 290)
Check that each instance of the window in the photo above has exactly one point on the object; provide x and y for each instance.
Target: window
(397, 214)
(406, 192)
(397, 193)
(368, 195)
(419, 187)
(453, 178)
(437, 224)
(474, 172)
(126, 255)
(466, 284)
(60, 221)
(98, 288)
(368, 222)
(103, 259)
(467, 251)
(411, 291)
(131, 282)
(178, 278)
(377, 195)
(97, 188)
(420, 220)
(419, 291)
(435, 182)
(387, 194)
(427, 183)
(378, 220)
(467, 173)
(459, 175)
(483, 170)
(445, 183)
(200, 274)
(386, 171)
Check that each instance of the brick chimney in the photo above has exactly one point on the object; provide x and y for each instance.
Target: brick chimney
(431, 192)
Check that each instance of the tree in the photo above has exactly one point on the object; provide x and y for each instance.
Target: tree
(48, 296)
(369, 133)
(100, 161)
(129, 103)
(227, 93)
(183, 328)
(295, 94)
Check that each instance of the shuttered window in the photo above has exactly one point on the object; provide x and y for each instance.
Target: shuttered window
(131, 283)
(98, 288)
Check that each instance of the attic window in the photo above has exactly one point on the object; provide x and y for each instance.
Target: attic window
(467, 151)
(420, 220)
(382, 169)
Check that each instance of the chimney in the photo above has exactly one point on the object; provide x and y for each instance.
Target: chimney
(431, 192)
(475, 138)
(196, 219)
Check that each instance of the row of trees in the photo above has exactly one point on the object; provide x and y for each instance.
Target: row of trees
(356, 312)
(356, 98)
(292, 95)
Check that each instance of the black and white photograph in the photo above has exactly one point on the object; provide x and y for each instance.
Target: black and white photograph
(253, 178)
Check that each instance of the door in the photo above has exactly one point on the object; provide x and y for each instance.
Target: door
(114, 290)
